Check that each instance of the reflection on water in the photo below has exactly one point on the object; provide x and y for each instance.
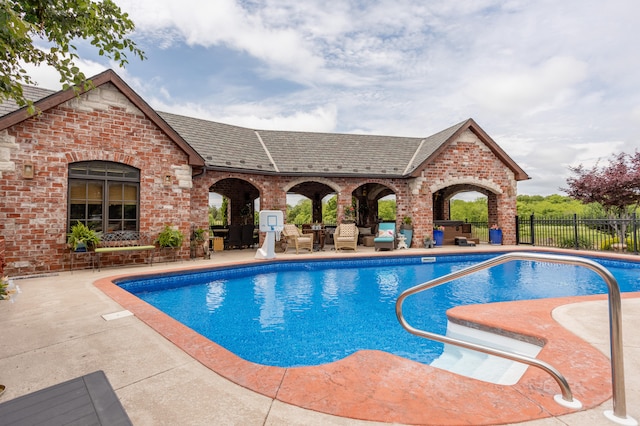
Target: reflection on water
(215, 295)
(388, 282)
(330, 287)
(266, 297)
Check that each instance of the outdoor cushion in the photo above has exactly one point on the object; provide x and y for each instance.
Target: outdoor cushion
(364, 231)
(385, 233)
(347, 230)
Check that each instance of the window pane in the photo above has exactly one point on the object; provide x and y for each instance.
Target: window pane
(94, 211)
(115, 192)
(94, 191)
(77, 190)
(115, 211)
(130, 226)
(130, 193)
(76, 212)
(131, 211)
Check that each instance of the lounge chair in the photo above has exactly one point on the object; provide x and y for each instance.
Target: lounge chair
(386, 238)
(346, 236)
(295, 237)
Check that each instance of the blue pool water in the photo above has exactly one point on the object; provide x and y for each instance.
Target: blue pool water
(314, 312)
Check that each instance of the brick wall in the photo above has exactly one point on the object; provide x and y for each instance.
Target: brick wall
(101, 125)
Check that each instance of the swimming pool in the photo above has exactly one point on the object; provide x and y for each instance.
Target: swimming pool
(314, 312)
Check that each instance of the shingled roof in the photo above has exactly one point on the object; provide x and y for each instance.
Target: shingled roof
(234, 148)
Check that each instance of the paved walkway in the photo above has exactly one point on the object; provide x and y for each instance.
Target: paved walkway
(54, 331)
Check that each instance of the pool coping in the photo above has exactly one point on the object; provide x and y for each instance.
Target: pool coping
(377, 386)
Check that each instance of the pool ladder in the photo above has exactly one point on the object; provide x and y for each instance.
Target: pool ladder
(619, 412)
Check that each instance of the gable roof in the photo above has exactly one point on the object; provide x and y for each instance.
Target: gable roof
(228, 147)
(219, 146)
(45, 99)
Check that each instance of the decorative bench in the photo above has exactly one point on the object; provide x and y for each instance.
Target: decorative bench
(125, 241)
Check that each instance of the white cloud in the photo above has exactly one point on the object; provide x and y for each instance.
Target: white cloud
(554, 83)
(548, 86)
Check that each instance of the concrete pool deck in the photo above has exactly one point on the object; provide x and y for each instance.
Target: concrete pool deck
(54, 331)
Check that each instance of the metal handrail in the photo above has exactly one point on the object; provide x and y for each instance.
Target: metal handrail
(615, 324)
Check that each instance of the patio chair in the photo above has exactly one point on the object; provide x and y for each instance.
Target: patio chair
(247, 235)
(295, 237)
(346, 236)
(235, 236)
(386, 238)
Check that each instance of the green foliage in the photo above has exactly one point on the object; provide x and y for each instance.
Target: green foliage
(570, 242)
(217, 216)
(80, 233)
(60, 23)
(4, 288)
(387, 210)
(330, 210)
(551, 205)
(170, 237)
(470, 211)
(300, 213)
(224, 209)
(198, 235)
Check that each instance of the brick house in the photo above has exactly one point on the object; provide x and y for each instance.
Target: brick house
(106, 156)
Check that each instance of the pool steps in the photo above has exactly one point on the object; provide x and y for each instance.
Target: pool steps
(479, 365)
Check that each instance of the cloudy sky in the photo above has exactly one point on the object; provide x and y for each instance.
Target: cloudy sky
(555, 83)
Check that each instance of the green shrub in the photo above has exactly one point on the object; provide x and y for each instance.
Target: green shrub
(570, 242)
(170, 237)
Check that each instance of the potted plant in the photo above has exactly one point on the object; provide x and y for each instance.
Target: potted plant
(495, 235)
(406, 229)
(407, 223)
(170, 237)
(197, 239)
(82, 237)
(428, 242)
(438, 235)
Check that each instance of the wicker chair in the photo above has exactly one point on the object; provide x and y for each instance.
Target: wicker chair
(346, 236)
(295, 237)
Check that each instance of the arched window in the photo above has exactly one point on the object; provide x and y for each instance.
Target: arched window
(104, 196)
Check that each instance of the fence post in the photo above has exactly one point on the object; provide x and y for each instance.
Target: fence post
(533, 231)
(634, 236)
(517, 230)
(575, 231)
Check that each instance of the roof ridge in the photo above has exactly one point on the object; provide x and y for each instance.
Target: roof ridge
(266, 150)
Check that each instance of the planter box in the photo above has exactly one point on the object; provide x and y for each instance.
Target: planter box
(438, 237)
(495, 236)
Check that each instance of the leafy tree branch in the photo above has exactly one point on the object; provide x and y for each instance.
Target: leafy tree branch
(58, 24)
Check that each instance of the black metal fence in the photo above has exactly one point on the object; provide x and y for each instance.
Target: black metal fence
(579, 233)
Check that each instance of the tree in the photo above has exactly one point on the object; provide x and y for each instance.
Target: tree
(616, 187)
(471, 211)
(300, 213)
(387, 210)
(330, 210)
(57, 24)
